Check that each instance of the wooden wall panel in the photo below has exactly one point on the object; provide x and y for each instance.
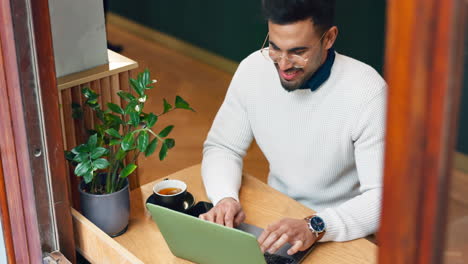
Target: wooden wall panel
(88, 114)
(76, 131)
(115, 87)
(105, 92)
(133, 179)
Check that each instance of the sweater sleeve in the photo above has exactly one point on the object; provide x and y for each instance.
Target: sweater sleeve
(360, 216)
(227, 143)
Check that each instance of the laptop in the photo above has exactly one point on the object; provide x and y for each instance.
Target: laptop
(203, 242)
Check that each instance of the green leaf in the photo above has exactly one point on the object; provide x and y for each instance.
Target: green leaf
(88, 176)
(146, 78)
(127, 170)
(77, 111)
(181, 103)
(98, 152)
(130, 107)
(167, 106)
(163, 152)
(136, 86)
(142, 141)
(127, 142)
(135, 119)
(120, 154)
(166, 131)
(69, 155)
(100, 115)
(170, 142)
(100, 164)
(126, 96)
(151, 119)
(114, 142)
(151, 147)
(113, 133)
(92, 141)
(81, 157)
(89, 94)
(115, 108)
(83, 148)
(112, 120)
(82, 168)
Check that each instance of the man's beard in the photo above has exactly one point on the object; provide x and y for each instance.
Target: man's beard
(299, 83)
(293, 85)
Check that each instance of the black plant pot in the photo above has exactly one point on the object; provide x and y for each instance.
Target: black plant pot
(109, 212)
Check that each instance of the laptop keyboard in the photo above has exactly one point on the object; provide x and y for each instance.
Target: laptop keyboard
(277, 259)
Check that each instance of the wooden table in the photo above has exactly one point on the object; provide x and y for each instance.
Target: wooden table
(143, 243)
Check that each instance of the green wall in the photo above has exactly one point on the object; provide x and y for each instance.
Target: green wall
(234, 29)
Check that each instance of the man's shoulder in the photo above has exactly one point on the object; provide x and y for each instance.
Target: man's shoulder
(363, 77)
(356, 67)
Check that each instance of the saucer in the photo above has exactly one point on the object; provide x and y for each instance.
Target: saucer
(188, 203)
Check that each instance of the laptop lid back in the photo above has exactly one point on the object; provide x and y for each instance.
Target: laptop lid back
(205, 242)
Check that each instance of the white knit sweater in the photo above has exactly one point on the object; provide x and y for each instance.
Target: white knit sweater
(324, 148)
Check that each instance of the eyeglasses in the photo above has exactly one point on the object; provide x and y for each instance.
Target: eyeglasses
(276, 56)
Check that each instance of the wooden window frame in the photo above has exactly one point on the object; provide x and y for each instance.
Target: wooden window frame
(423, 68)
(20, 215)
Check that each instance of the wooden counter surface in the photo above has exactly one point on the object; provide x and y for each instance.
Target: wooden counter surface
(117, 64)
(262, 205)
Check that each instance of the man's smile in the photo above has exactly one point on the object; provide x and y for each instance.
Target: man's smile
(290, 74)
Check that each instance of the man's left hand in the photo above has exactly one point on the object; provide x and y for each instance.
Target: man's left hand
(294, 231)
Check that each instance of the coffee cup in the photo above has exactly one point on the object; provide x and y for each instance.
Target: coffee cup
(170, 194)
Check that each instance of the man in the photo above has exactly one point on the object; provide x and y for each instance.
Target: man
(319, 118)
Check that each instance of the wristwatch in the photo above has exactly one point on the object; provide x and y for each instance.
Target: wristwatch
(316, 225)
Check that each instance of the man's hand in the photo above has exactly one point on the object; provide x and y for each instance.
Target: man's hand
(294, 231)
(227, 212)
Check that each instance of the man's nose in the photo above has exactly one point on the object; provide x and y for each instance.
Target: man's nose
(284, 63)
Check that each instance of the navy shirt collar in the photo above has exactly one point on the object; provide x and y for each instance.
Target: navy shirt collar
(323, 72)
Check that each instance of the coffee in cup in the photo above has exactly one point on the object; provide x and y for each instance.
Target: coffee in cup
(170, 194)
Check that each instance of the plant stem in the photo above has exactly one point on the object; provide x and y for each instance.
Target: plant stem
(167, 112)
(114, 175)
(109, 175)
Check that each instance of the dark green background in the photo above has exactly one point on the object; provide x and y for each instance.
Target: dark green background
(234, 29)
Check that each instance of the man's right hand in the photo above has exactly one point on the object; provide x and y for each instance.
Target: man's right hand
(227, 212)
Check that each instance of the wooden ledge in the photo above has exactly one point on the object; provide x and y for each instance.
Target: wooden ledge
(97, 246)
(117, 64)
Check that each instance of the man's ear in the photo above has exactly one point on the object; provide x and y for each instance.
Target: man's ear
(330, 37)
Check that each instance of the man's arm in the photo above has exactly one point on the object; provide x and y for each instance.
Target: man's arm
(357, 217)
(360, 216)
(224, 149)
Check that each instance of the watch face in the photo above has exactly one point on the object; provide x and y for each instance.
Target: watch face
(317, 224)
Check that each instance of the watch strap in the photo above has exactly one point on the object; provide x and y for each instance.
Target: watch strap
(318, 235)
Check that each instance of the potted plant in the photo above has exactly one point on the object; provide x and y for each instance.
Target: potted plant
(101, 161)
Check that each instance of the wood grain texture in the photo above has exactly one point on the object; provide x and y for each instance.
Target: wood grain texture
(115, 87)
(5, 219)
(13, 148)
(76, 131)
(143, 236)
(106, 96)
(96, 245)
(88, 114)
(423, 88)
(53, 133)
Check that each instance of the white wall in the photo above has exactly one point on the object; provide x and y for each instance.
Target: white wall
(79, 35)
(3, 258)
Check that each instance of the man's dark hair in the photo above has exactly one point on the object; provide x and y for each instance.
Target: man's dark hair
(284, 12)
